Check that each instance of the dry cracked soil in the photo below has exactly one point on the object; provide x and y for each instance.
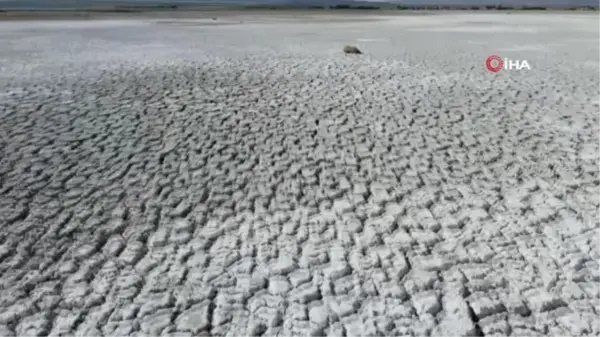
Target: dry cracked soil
(241, 176)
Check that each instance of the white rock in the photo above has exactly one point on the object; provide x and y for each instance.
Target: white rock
(540, 300)
(195, 319)
(426, 303)
(279, 286)
(484, 306)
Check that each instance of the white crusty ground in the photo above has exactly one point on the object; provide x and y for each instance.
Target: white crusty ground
(243, 177)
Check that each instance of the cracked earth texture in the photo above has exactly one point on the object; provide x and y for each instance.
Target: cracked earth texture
(183, 177)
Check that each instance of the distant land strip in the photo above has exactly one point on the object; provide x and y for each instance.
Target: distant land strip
(284, 7)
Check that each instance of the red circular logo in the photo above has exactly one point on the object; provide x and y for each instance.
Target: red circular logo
(494, 59)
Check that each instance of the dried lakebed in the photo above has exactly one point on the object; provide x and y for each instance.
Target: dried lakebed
(165, 178)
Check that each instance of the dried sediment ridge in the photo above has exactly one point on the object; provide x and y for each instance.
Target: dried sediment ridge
(199, 180)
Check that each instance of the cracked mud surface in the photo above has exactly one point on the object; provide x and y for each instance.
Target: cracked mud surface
(248, 179)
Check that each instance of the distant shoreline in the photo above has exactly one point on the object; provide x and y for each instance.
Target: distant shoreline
(362, 6)
(209, 10)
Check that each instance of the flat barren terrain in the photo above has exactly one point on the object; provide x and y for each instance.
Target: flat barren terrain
(238, 175)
